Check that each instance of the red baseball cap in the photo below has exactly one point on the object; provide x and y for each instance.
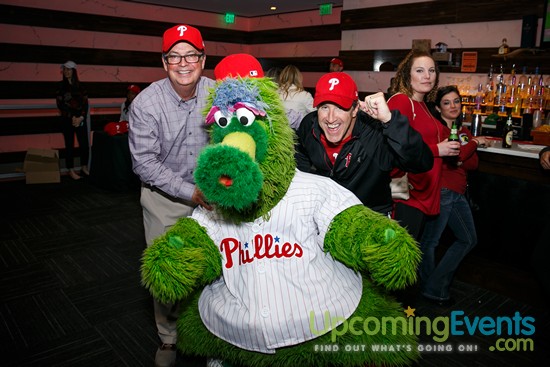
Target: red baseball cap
(337, 61)
(134, 88)
(243, 65)
(182, 33)
(338, 88)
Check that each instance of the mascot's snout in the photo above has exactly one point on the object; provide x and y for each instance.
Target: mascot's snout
(241, 141)
(228, 174)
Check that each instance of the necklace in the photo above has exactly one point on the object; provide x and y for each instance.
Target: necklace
(436, 124)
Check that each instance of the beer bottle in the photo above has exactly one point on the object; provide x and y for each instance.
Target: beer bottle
(453, 160)
(454, 132)
(508, 134)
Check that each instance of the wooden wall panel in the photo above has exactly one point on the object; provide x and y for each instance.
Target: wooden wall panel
(100, 23)
(39, 90)
(12, 126)
(40, 54)
(439, 12)
(366, 59)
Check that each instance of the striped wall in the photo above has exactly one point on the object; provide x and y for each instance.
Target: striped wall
(116, 43)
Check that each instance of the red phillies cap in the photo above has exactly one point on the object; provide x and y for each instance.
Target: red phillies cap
(134, 88)
(337, 87)
(337, 61)
(180, 33)
(243, 65)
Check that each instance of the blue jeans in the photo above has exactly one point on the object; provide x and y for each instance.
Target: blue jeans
(454, 212)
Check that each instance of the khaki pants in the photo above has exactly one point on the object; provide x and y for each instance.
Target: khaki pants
(159, 214)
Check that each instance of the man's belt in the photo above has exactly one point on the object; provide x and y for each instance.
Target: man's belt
(167, 196)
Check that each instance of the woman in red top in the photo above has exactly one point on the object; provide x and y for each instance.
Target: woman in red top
(435, 279)
(415, 82)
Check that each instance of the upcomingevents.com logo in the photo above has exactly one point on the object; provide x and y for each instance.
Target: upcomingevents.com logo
(515, 330)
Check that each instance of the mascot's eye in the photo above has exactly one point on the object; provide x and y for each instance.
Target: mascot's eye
(221, 120)
(245, 116)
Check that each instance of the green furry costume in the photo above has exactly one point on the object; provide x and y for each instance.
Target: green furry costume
(245, 173)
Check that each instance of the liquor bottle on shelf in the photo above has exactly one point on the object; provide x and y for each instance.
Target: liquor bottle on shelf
(528, 96)
(500, 94)
(478, 100)
(511, 89)
(516, 107)
(547, 95)
(540, 94)
(488, 99)
(465, 115)
(522, 83)
(508, 134)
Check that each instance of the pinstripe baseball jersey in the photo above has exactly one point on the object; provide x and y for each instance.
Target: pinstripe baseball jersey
(275, 272)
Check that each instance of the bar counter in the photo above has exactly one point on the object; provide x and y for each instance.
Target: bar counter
(521, 161)
(511, 196)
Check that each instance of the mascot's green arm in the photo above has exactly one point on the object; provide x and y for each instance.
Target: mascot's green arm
(371, 243)
(180, 261)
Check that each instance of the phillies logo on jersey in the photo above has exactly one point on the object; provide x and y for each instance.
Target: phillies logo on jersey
(348, 159)
(263, 247)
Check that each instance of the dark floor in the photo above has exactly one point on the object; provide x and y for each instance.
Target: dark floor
(71, 295)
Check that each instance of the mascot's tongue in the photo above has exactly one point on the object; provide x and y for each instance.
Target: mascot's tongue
(226, 181)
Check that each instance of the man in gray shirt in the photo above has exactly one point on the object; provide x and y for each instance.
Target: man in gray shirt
(167, 131)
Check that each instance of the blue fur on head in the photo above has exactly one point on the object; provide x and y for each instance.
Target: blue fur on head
(231, 91)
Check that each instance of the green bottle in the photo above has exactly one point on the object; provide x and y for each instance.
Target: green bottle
(454, 132)
(453, 137)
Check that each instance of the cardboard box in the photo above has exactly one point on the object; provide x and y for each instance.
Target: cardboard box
(42, 166)
(541, 137)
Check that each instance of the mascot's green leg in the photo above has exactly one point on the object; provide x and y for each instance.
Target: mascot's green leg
(195, 339)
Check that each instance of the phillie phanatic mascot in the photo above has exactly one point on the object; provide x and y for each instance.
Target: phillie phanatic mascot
(289, 269)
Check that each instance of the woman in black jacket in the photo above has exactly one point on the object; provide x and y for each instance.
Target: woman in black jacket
(72, 101)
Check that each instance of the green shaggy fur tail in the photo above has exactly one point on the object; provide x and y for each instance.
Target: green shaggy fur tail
(369, 242)
(180, 261)
(195, 339)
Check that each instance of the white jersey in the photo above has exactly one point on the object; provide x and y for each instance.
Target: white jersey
(275, 272)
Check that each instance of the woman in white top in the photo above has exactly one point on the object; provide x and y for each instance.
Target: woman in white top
(294, 97)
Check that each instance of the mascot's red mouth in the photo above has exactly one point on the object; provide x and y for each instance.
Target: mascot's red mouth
(226, 181)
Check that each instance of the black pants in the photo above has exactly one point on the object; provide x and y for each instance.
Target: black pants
(411, 218)
(81, 132)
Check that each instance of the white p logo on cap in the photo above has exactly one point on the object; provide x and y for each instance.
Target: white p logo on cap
(182, 30)
(333, 83)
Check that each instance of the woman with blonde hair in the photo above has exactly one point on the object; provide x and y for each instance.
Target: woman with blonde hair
(295, 98)
(416, 82)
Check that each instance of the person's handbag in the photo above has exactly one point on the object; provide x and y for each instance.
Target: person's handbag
(400, 187)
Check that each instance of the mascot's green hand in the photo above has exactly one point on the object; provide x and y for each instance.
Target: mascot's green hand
(180, 261)
(367, 241)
